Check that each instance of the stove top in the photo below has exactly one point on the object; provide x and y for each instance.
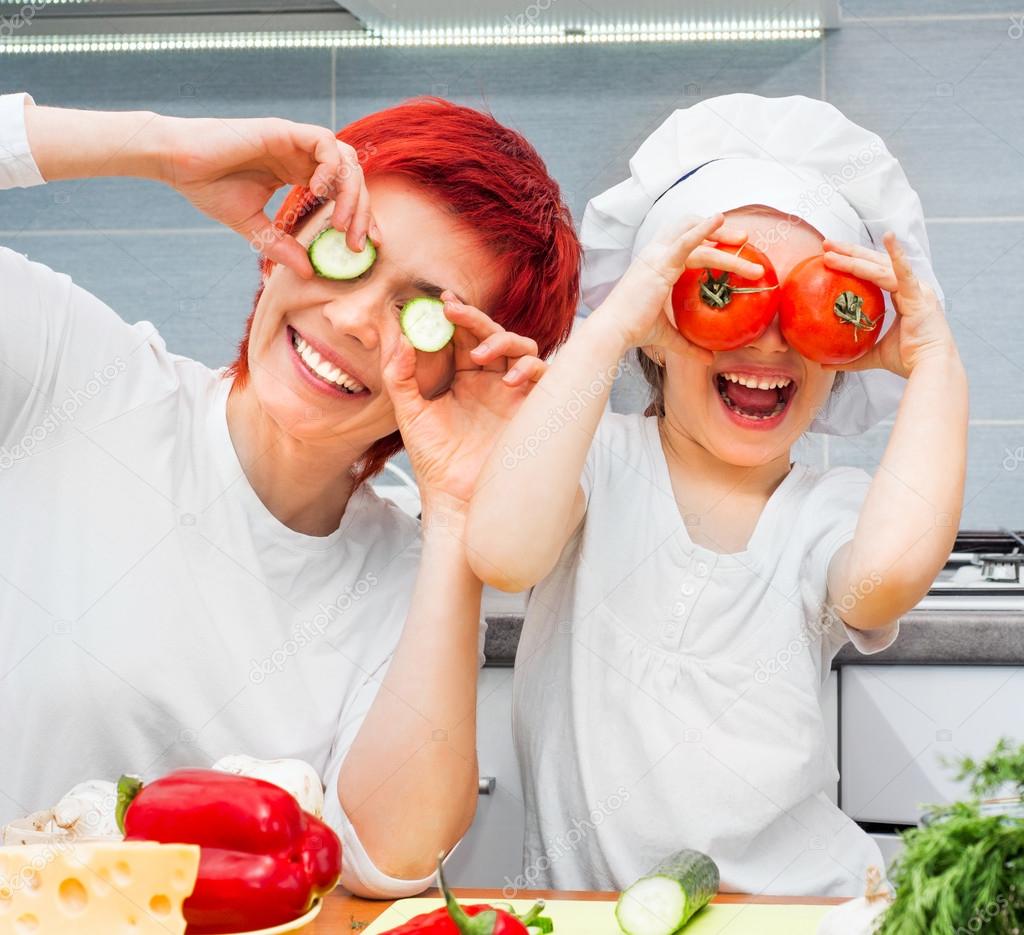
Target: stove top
(985, 572)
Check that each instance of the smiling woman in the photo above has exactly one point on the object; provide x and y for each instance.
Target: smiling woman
(221, 579)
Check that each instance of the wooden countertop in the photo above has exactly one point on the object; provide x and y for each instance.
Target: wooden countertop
(343, 913)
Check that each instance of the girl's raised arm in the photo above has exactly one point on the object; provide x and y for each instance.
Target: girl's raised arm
(528, 499)
(910, 518)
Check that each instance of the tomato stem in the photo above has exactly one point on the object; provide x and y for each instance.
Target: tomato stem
(717, 292)
(849, 307)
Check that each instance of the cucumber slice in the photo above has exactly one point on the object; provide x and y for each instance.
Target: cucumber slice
(423, 322)
(332, 258)
(662, 902)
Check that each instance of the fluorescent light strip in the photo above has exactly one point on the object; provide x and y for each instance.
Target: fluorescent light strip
(737, 31)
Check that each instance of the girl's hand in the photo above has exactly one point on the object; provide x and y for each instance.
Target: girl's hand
(229, 169)
(449, 437)
(639, 307)
(920, 329)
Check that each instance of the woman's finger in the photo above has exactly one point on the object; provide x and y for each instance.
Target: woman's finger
(477, 323)
(882, 276)
(277, 246)
(399, 376)
(472, 327)
(360, 225)
(326, 179)
(504, 344)
(525, 370)
(348, 186)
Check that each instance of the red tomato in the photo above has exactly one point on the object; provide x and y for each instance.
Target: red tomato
(829, 316)
(721, 311)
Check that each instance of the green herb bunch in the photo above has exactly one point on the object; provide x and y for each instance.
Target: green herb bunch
(962, 872)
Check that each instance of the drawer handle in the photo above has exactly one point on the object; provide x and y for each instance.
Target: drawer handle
(487, 785)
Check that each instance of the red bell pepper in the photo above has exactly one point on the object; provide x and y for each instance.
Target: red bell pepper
(480, 919)
(263, 861)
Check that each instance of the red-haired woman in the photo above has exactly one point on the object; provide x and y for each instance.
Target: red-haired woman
(193, 564)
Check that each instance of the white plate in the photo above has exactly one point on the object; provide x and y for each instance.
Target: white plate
(292, 926)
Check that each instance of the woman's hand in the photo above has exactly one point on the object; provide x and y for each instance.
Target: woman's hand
(449, 437)
(920, 330)
(639, 306)
(229, 169)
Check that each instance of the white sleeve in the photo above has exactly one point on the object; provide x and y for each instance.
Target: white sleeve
(605, 440)
(837, 502)
(18, 168)
(61, 349)
(359, 874)
(60, 346)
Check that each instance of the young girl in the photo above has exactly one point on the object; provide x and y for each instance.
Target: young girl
(692, 582)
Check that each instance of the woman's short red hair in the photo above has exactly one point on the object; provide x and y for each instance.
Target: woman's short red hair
(494, 181)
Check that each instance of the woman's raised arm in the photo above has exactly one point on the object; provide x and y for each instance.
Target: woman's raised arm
(228, 169)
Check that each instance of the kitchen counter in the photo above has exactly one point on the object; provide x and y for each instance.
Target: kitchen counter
(927, 637)
(343, 913)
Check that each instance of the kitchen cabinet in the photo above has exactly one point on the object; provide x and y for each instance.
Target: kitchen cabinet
(899, 723)
(492, 852)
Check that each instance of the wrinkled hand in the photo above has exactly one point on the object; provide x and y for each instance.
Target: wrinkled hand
(229, 169)
(640, 304)
(920, 329)
(448, 438)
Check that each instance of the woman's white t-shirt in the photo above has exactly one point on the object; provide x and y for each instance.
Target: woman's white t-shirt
(668, 696)
(153, 613)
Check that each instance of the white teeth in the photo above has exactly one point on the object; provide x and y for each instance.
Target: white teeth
(324, 369)
(757, 383)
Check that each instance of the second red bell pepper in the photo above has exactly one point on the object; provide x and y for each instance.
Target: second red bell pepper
(481, 919)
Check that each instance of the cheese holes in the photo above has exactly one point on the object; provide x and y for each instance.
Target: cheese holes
(122, 875)
(73, 896)
(160, 905)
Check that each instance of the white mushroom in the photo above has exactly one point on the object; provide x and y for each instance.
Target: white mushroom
(294, 776)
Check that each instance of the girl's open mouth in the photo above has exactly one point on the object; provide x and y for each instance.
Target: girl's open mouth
(755, 400)
(322, 372)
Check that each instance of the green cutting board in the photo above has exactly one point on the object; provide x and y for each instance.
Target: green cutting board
(576, 917)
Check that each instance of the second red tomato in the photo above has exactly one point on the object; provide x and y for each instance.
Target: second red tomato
(829, 316)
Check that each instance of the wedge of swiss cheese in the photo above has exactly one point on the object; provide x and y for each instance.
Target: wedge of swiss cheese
(113, 888)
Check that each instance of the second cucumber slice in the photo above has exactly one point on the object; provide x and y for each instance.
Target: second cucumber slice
(423, 323)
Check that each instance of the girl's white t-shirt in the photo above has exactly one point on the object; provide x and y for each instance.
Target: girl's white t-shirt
(153, 613)
(668, 696)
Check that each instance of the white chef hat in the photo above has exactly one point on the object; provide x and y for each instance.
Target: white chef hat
(801, 157)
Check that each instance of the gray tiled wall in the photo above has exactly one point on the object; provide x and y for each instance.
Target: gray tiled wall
(942, 82)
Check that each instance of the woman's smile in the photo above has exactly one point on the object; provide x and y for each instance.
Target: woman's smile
(322, 368)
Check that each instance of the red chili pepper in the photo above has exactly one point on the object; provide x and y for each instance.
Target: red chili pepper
(480, 919)
(263, 861)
